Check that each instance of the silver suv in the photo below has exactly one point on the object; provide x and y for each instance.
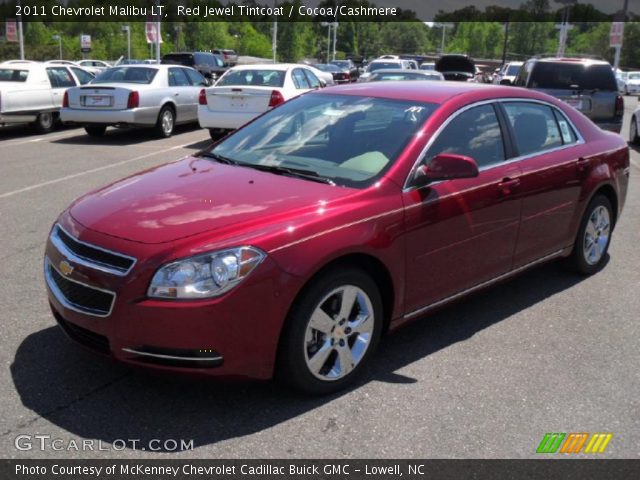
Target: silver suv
(586, 84)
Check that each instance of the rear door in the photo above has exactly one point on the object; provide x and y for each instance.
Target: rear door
(182, 93)
(548, 153)
(462, 232)
(61, 79)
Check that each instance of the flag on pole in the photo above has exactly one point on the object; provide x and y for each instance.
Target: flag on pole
(151, 32)
(11, 31)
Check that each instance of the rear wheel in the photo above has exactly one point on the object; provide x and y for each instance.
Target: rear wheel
(217, 133)
(44, 122)
(633, 131)
(331, 332)
(594, 235)
(95, 130)
(166, 122)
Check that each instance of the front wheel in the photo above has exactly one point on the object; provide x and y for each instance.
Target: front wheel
(95, 130)
(166, 122)
(217, 133)
(594, 235)
(331, 332)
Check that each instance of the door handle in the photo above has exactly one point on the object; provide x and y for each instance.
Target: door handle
(508, 185)
(583, 164)
(176, 94)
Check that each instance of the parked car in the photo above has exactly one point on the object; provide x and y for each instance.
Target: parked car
(289, 247)
(154, 96)
(337, 74)
(403, 74)
(632, 83)
(349, 67)
(246, 91)
(94, 66)
(508, 73)
(586, 84)
(380, 64)
(229, 57)
(32, 92)
(210, 65)
(459, 68)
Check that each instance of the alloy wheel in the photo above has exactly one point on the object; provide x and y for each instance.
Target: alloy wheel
(596, 235)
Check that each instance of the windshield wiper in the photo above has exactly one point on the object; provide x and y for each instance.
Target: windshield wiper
(219, 158)
(295, 172)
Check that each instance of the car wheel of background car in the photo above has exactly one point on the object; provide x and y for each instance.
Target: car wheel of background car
(331, 332)
(44, 122)
(633, 131)
(95, 131)
(217, 133)
(166, 122)
(590, 250)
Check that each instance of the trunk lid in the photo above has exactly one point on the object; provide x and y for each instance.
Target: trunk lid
(239, 99)
(99, 97)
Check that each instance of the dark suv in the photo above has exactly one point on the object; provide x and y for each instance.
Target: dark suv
(586, 84)
(210, 65)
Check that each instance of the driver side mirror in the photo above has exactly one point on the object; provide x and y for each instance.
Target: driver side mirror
(445, 166)
(322, 83)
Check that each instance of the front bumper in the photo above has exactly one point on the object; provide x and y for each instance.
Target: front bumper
(144, 116)
(235, 335)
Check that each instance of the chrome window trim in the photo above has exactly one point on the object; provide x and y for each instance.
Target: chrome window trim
(67, 303)
(171, 357)
(579, 138)
(64, 250)
(481, 285)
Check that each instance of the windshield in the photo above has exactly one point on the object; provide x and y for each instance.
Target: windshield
(346, 139)
(185, 59)
(326, 67)
(633, 76)
(126, 75)
(13, 75)
(381, 65)
(573, 75)
(257, 78)
(513, 70)
(428, 66)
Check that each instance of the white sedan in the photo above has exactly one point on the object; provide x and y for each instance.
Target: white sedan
(632, 84)
(158, 96)
(244, 92)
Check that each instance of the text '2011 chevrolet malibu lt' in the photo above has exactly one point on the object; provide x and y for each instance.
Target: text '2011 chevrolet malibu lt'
(289, 247)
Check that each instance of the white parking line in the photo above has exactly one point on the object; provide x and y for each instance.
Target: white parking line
(635, 163)
(86, 172)
(39, 139)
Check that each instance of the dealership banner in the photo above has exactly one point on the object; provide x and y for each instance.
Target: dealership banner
(150, 30)
(585, 469)
(11, 31)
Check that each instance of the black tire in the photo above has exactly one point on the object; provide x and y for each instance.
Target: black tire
(633, 131)
(217, 133)
(292, 368)
(45, 122)
(166, 122)
(579, 260)
(95, 130)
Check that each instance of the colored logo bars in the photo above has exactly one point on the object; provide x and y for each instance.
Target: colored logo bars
(573, 443)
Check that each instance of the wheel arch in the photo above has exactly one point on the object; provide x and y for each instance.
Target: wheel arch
(610, 193)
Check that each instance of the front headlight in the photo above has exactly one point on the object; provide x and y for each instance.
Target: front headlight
(205, 276)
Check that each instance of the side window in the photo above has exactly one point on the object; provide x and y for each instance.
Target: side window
(566, 130)
(534, 125)
(475, 133)
(313, 80)
(60, 77)
(195, 78)
(299, 80)
(83, 77)
(521, 79)
(177, 78)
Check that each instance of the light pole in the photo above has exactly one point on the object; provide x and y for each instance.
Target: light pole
(564, 27)
(59, 39)
(622, 17)
(328, 24)
(444, 27)
(127, 28)
(335, 32)
(20, 35)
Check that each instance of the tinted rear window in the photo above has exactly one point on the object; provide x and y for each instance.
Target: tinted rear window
(564, 75)
(126, 75)
(259, 78)
(185, 59)
(13, 75)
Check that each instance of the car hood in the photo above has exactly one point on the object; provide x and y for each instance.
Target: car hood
(196, 195)
(455, 64)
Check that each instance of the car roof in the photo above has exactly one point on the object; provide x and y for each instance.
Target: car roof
(424, 73)
(268, 66)
(438, 92)
(587, 61)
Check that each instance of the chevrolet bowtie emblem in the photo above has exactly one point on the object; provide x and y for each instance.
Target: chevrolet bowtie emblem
(65, 267)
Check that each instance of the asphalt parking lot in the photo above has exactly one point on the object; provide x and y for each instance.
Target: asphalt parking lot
(485, 378)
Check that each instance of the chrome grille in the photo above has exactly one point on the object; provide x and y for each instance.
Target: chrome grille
(78, 296)
(89, 255)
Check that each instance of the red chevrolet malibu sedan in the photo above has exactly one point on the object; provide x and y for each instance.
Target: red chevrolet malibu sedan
(289, 247)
